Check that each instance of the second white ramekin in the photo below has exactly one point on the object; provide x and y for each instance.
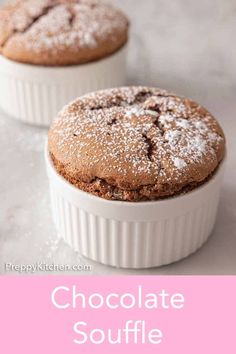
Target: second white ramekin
(133, 235)
(35, 94)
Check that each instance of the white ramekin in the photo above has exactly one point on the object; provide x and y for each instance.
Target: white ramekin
(35, 94)
(133, 235)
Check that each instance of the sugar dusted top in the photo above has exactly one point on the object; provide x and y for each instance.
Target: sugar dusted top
(61, 32)
(142, 143)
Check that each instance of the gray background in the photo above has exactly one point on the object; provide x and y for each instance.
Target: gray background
(186, 46)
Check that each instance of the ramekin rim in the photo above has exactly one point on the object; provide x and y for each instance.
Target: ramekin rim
(133, 204)
(63, 67)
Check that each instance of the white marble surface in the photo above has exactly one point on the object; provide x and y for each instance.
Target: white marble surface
(185, 46)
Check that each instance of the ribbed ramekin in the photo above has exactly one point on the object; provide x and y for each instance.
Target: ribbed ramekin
(133, 235)
(35, 94)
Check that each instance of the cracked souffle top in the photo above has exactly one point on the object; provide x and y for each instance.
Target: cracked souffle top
(61, 32)
(135, 144)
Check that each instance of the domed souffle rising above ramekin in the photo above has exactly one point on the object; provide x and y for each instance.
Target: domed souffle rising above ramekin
(51, 51)
(135, 175)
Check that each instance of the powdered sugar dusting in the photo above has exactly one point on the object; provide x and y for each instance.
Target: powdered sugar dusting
(56, 25)
(139, 111)
(179, 163)
(123, 136)
(166, 119)
(182, 123)
(172, 137)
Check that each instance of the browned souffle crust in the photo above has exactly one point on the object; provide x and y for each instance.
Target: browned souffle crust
(135, 144)
(61, 32)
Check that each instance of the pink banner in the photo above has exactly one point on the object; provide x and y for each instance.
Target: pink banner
(138, 315)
